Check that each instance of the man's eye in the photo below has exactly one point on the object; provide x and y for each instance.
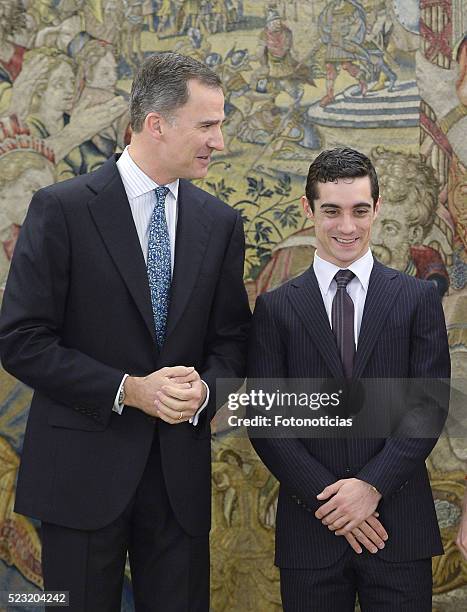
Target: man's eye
(361, 212)
(330, 212)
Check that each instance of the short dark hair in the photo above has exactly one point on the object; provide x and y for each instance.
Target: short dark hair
(161, 85)
(339, 163)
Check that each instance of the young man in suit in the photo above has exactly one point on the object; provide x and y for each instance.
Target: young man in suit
(125, 301)
(350, 317)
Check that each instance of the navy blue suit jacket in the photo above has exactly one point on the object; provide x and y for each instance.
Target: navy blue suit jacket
(77, 315)
(403, 335)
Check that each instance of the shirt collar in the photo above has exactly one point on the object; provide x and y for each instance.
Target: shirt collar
(325, 270)
(137, 182)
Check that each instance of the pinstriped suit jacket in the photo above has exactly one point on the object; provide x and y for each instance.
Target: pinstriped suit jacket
(403, 335)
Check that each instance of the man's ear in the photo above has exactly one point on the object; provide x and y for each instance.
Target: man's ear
(377, 207)
(307, 207)
(154, 125)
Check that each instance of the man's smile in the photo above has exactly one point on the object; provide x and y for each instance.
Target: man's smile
(346, 240)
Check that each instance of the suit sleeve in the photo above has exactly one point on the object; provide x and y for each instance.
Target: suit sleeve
(33, 313)
(393, 466)
(229, 323)
(287, 458)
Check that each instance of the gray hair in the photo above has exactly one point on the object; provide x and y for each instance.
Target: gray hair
(161, 85)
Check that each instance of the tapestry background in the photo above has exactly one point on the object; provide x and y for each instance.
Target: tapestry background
(388, 77)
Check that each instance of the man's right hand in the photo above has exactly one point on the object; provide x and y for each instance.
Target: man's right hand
(370, 533)
(140, 391)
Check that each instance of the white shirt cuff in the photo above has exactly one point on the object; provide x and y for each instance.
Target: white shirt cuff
(118, 408)
(194, 419)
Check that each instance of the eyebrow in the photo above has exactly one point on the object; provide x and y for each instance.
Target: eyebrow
(358, 205)
(211, 121)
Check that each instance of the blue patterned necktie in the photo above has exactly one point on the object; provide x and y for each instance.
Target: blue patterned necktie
(159, 264)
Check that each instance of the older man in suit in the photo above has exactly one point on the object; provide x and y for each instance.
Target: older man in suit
(349, 317)
(125, 301)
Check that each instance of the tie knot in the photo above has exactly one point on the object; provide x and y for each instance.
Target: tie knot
(343, 278)
(161, 192)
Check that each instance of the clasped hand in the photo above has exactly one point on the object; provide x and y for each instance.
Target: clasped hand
(351, 511)
(173, 394)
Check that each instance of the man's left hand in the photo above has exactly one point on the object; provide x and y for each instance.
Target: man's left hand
(176, 404)
(351, 502)
(371, 534)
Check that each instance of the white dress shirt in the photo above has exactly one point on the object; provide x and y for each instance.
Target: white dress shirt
(357, 288)
(139, 188)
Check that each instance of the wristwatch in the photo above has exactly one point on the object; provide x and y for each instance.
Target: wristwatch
(121, 396)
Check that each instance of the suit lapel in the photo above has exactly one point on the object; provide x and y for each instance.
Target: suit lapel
(383, 288)
(193, 228)
(306, 298)
(112, 215)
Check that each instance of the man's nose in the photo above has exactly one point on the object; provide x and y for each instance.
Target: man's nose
(347, 224)
(216, 141)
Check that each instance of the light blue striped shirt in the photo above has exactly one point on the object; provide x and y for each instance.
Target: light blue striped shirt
(139, 188)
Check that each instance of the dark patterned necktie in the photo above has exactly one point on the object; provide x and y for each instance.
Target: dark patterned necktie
(159, 264)
(342, 318)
